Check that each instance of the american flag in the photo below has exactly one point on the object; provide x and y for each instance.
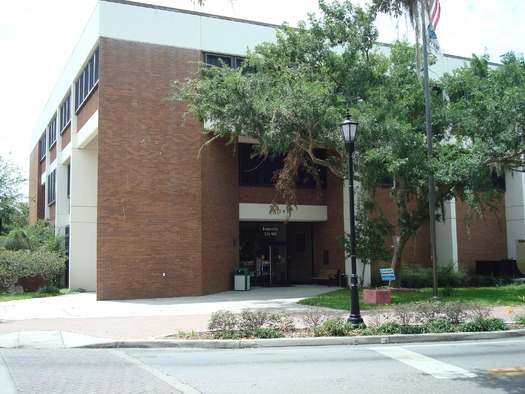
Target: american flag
(435, 13)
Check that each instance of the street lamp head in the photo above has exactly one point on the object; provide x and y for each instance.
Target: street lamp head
(348, 129)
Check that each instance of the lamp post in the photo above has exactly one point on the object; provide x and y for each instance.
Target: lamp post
(348, 130)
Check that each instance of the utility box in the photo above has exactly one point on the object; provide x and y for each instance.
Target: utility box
(520, 255)
(241, 279)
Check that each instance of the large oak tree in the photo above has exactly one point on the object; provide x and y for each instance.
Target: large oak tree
(290, 95)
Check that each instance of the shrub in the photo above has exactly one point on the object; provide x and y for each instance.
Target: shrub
(448, 277)
(438, 326)
(405, 313)
(455, 312)
(49, 289)
(520, 319)
(337, 327)
(264, 333)
(386, 329)
(252, 319)
(222, 320)
(482, 281)
(40, 236)
(21, 263)
(228, 334)
(313, 317)
(411, 329)
(481, 324)
(416, 277)
(281, 322)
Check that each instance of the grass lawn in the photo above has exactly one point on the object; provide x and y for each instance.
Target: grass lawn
(511, 295)
(25, 296)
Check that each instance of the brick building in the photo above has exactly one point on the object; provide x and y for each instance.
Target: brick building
(116, 169)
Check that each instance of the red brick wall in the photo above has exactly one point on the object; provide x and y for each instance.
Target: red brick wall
(417, 249)
(220, 216)
(150, 218)
(326, 234)
(484, 239)
(66, 136)
(52, 153)
(89, 107)
(267, 194)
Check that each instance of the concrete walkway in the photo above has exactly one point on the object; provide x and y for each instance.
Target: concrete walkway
(77, 320)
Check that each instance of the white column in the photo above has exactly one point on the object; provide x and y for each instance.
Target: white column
(83, 200)
(447, 237)
(346, 209)
(514, 210)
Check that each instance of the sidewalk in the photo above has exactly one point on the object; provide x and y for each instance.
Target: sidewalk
(79, 320)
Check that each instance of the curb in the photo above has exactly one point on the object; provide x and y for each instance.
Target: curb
(310, 341)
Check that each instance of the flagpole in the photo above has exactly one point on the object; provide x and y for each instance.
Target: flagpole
(431, 191)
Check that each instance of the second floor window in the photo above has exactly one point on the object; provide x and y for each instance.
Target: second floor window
(65, 113)
(42, 147)
(87, 80)
(51, 187)
(52, 131)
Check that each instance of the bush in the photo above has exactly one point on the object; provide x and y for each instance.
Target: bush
(337, 327)
(482, 281)
(520, 319)
(437, 326)
(252, 319)
(40, 236)
(314, 317)
(455, 312)
(21, 263)
(448, 277)
(416, 277)
(481, 324)
(228, 334)
(387, 328)
(49, 289)
(251, 323)
(264, 333)
(222, 321)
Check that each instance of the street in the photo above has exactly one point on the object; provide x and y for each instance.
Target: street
(496, 366)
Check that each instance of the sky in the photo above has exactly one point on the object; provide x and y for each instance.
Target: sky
(37, 38)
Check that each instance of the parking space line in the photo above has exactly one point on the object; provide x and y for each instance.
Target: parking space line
(436, 368)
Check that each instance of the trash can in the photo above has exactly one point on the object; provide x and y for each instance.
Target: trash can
(241, 279)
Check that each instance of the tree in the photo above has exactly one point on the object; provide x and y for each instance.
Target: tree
(292, 103)
(494, 99)
(11, 206)
(290, 95)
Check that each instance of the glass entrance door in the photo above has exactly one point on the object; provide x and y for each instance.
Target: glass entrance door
(263, 250)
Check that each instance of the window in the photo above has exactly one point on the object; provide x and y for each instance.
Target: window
(42, 147)
(231, 61)
(65, 113)
(255, 171)
(51, 187)
(87, 80)
(52, 129)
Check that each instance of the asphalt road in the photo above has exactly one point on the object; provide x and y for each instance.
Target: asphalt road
(496, 366)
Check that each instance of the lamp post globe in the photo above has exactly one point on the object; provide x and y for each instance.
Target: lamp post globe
(348, 131)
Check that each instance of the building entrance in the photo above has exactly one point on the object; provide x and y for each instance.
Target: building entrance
(276, 254)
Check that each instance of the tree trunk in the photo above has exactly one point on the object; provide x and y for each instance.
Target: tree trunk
(398, 244)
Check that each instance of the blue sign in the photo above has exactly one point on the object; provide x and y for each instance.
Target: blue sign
(387, 274)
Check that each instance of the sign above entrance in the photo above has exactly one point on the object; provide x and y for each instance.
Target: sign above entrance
(270, 231)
